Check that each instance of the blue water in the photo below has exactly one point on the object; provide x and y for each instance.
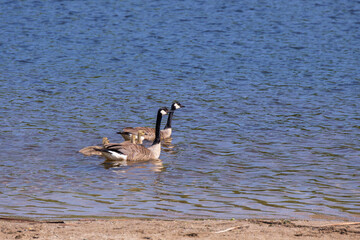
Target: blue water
(271, 126)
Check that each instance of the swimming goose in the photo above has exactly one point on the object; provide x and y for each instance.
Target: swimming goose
(139, 138)
(150, 132)
(127, 151)
(89, 151)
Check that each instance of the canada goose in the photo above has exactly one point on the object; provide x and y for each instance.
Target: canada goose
(89, 151)
(105, 141)
(150, 132)
(133, 152)
(139, 138)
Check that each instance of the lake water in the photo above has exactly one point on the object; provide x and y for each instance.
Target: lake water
(271, 126)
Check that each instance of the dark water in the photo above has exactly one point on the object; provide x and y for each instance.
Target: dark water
(271, 126)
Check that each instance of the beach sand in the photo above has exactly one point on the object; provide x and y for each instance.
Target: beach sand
(95, 229)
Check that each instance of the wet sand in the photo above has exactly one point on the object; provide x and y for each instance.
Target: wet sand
(92, 229)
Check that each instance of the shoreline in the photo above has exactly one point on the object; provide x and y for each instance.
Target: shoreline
(129, 228)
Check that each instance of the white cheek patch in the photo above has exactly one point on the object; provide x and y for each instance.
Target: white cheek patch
(177, 106)
(163, 112)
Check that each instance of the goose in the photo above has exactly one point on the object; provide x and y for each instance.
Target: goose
(139, 138)
(127, 151)
(89, 151)
(126, 133)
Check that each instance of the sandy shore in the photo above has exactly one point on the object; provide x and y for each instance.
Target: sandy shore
(177, 229)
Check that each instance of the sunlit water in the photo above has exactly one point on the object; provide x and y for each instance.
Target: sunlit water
(271, 126)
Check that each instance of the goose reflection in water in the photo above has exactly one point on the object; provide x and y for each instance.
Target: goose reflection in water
(125, 166)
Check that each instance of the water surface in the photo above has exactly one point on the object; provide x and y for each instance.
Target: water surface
(271, 126)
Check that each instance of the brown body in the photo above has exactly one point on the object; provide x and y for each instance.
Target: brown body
(89, 151)
(94, 150)
(128, 151)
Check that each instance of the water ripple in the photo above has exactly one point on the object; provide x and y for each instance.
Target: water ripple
(270, 128)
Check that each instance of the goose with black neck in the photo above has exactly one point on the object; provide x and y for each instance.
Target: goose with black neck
(127, 151)
(127, 132)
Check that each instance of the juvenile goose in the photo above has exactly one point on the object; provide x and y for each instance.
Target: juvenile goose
(139, 138)
(133, 152)
(150, 132)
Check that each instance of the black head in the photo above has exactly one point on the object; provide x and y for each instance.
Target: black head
(163, 110)
(176, 105)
